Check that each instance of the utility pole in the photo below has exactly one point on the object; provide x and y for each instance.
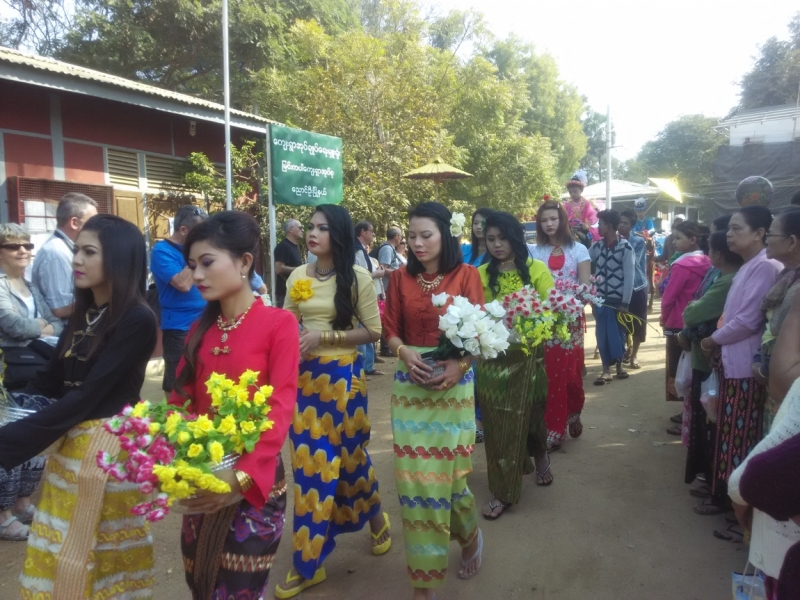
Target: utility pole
(608, 158)
(227, 94)
(796, 112)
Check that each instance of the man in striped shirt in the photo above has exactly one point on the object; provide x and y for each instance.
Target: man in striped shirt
(614, 264)
(52, 267)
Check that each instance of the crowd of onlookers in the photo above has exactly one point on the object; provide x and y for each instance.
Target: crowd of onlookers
(729, 309)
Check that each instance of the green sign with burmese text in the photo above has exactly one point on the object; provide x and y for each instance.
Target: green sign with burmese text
(306, 167)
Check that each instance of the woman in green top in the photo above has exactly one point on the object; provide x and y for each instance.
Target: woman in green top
(700, 320)
(513, 386)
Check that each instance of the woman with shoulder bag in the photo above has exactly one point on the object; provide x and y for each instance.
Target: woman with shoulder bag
(24, 315)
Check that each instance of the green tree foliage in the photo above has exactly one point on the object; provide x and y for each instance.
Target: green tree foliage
(177, 44)
(775, 77)
(686, 148)
(379, 96)
(595, 130)
(554, 108)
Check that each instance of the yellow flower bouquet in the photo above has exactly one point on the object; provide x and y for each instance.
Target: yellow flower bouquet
(168, 451)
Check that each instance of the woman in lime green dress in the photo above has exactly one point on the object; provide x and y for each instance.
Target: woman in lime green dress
(513, 386)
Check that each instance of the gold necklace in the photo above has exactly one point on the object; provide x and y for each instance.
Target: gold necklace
(79, 336)
(429, 286)
(505, 264)
(225, 327)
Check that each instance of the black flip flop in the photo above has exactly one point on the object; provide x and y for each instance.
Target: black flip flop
(543, 475)
(702, 491)
(492, 508)
(707, 509)
(732, 534)
(677, 419)
(674, 430)
(622, 375)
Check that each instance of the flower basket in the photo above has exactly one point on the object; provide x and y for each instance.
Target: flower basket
(171, 454)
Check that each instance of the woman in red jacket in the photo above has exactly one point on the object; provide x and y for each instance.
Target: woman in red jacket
(229, 540)
(685, 276)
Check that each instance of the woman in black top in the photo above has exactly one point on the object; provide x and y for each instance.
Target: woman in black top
(84, 538)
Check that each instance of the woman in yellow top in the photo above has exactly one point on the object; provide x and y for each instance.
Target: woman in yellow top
(335, 487)
(513, 386)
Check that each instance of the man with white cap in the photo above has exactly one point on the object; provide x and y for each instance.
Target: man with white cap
(644, 224)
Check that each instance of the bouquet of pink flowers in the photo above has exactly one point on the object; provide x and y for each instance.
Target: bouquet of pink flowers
(533, 320)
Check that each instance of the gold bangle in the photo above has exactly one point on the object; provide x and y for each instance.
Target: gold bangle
(464, 365)
(245, 481)
(703, 347)
(397, 352)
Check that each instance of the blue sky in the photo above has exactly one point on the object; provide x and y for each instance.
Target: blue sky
(651, 61)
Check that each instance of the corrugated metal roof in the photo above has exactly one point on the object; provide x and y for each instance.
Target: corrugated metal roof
(20, 66)
(758, 115)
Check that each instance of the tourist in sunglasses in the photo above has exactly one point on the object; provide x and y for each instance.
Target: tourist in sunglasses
(24, 314)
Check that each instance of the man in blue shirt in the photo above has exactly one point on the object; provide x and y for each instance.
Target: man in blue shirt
(181, 302)
(638, 306)
(643, 224)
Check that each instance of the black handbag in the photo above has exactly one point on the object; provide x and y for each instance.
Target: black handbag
(23, 363)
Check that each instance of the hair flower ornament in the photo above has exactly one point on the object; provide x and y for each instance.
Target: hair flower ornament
(457, 222)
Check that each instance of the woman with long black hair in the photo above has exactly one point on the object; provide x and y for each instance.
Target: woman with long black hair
(475, 251)
(84, 542)
(335, 486)
(229, 540)
(513, 385)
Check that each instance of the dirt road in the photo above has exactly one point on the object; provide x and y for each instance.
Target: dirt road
(616, 524)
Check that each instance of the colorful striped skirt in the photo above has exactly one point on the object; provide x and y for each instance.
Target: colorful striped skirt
(434, 435)
(740, 425)
(229, 554)
(84, 541)
(335, 489)
(514, 388)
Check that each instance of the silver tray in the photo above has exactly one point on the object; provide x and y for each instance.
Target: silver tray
(228, 462)
(9, 414)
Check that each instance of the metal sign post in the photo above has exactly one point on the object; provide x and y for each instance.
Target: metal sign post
(273, 229)
(227, 94)
(608, 158)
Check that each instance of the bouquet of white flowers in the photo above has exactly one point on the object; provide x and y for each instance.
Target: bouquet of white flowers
(469, 329)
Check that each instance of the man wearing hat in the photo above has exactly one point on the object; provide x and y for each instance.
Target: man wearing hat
(644, 224)
(581, 212)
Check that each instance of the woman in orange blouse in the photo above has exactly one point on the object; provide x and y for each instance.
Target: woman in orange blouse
(433, 416)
